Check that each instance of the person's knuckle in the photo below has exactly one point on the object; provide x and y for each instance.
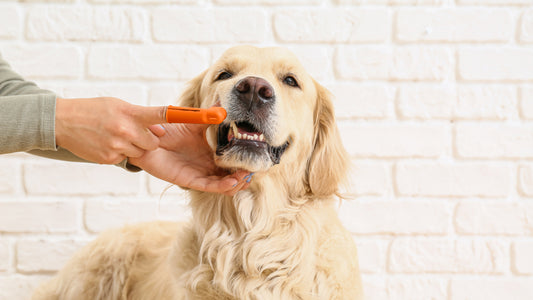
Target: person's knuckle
(111, 158)
(123, 130)
(116, 145)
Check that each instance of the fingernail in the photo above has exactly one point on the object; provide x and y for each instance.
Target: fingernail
(249, 177)
(161, 126)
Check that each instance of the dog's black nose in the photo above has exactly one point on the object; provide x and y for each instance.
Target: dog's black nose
(254, 90)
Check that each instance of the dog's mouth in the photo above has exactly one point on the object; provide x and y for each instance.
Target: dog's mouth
(245, 138)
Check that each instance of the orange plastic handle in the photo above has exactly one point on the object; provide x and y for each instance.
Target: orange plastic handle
(212, 115)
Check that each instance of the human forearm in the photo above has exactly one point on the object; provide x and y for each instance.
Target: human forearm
(27, 113)
(28, 119)
(27, 122)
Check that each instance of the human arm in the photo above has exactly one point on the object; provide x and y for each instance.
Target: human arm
(99, 130)
(26, 114)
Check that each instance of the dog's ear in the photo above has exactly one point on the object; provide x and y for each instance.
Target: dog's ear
(329, 163)
(191, 95)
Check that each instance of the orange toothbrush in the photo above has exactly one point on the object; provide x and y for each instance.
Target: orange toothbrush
(212, 115)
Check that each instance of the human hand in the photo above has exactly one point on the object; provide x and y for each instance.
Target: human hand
(185, 159)
(106, 130)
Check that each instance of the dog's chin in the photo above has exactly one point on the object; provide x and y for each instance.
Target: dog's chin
(245, 155)
(239, 151)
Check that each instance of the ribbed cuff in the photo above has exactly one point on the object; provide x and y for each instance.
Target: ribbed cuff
(126, 165)
(48, 121)
(27, 122)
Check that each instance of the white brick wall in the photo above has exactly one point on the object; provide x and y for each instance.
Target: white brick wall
(523, 260)
(332, 25)
(504, 63)
(52, 254)
(85, 24)
(4, 255)
(475, 179)
(405, 63)
(448, 256)
(491, 289)
(146, 62)
(39, 216)
(454, 25)
(11, 21)
(222, 25)
(434, 100)
(493, 218)
(45, 61)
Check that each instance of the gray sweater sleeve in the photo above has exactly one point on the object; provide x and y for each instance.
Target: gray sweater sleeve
(27, 119)
(27, 114)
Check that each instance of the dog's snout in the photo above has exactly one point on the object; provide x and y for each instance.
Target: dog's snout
(254, 89)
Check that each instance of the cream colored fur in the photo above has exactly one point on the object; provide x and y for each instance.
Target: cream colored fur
(279, 239)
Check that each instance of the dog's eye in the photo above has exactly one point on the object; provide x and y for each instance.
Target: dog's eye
(224, 75)
(289, 80)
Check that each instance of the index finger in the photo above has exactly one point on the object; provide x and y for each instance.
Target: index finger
(150, 115)
(194, 115)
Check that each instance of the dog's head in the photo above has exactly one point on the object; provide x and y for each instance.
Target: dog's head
(277, 114)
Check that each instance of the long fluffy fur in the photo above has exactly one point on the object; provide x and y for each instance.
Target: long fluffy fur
(279, 239)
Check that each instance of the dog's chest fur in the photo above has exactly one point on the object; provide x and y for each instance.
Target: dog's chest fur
(301, 253)
(259, 248)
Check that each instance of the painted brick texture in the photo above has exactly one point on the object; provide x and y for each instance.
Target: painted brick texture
(434, 101)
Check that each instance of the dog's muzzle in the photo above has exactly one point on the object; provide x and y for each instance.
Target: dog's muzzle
(249, 126)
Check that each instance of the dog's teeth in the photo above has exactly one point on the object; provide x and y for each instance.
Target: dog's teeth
(245, 136)
(233, 127)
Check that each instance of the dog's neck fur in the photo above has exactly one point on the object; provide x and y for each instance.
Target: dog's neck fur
(251, 243)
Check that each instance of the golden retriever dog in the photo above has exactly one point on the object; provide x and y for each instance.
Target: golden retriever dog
(278, 239)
